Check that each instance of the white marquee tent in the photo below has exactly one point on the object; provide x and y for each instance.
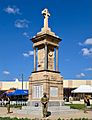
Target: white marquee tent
(83, 89)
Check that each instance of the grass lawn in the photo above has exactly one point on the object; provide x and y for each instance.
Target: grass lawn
(77, 106)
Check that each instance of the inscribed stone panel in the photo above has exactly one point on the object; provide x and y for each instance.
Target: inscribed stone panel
(37, 91)
(53, 91)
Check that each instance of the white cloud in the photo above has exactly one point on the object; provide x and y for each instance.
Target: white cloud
(88, 41)
(80, 44)
(28, 54)
(26, 34)
(88, 69)
(25, 54)
(31, 53)
(12, 10)
(6, 72)
(80, 75)
(22, 23)
(87, 52)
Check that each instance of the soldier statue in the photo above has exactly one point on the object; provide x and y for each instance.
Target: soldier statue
(44, 101)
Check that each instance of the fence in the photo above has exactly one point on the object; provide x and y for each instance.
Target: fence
(3, 103)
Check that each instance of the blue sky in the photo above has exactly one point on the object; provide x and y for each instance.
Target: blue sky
(20, 20)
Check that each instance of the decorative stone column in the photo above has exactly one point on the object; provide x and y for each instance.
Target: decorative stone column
(34, 58)
(45, 60)
(56, 58)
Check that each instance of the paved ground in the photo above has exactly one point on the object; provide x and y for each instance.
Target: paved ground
(63, 115)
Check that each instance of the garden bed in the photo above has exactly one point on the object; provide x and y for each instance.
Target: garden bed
(8, 118)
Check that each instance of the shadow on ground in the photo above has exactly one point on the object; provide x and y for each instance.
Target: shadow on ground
(48, 114)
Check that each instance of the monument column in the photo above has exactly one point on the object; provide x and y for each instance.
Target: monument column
(45, 60)
(34, 58)
(56, 58)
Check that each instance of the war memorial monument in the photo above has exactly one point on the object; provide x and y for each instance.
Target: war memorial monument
(46, 76)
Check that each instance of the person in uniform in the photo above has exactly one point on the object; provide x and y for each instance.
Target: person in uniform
(88, 101)
(85, 104)
(8, 105)
(44, 101)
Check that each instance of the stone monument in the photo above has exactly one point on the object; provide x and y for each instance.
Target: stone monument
(46, 76)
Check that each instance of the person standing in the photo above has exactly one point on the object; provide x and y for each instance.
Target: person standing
(44, 101)
(88, 101)
(8, 105)
(85, 104)
(70, 99)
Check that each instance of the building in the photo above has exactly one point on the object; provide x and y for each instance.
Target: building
(68, 85)
(6, 85)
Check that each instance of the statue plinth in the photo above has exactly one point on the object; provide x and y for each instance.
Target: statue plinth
(50, 82)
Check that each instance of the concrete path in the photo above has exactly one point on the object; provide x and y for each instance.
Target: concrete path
(54, 116)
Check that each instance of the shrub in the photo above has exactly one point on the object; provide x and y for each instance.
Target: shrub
(59, 119)
(8, 118)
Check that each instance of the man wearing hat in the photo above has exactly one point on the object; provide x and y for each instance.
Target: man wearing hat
(44, 101)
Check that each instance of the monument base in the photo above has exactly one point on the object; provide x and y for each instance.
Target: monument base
(50, 82)
(37, 111)
(50, 104)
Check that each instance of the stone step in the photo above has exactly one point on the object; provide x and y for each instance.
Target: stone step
(50, 108)
(53, 110)
(60, 108)
(40, 112)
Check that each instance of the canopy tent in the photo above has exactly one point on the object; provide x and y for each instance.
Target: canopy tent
(9, 91)
(18, 92)
(83, 89)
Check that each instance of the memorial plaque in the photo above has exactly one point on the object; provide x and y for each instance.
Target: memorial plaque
(53, 91)
(37, 91)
